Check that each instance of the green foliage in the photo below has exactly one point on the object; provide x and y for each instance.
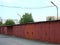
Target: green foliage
(26, 18)
(50, 19)
(9, 22)
(0, 23)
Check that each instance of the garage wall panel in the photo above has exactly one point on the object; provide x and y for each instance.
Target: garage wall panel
(57, 32)
(36, 28)
(52, 31)
(5, 30)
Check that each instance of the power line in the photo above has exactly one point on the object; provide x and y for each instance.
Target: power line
(25, 7)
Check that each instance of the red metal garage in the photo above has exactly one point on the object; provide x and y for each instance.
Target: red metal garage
(10, 30)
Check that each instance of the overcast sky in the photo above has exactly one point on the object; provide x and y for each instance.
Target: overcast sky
(38, 14)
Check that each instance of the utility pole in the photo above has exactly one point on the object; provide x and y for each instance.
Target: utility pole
(19, 15)
(56, 8)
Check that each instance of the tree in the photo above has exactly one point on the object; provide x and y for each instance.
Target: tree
(9, 22)
(50, 18)
(26, 18)
(0, 23)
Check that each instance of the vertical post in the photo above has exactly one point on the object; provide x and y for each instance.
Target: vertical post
(19, 15)
(57, 13)
(56, 8)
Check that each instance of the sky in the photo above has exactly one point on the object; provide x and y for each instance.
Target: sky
(28, 6)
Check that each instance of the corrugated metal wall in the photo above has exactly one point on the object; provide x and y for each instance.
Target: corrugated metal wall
(43, 31)
(29, 31)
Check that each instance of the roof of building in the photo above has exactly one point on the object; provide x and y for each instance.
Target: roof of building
(34, 23)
